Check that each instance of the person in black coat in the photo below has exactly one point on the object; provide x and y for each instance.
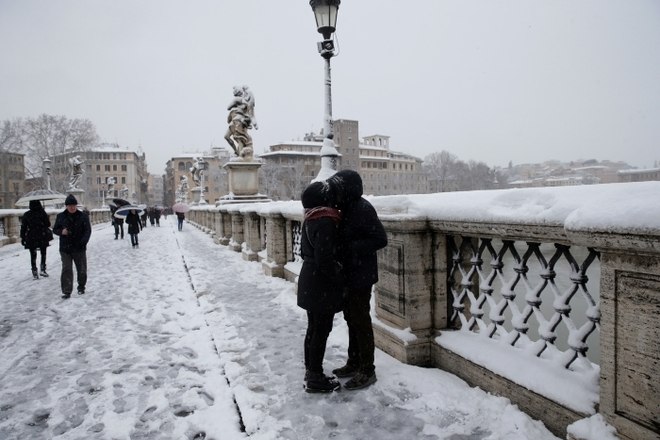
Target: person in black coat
(74, 229)
(35, 234)
(319, 282)
(117, 223)
(134, 226)
(361, 234)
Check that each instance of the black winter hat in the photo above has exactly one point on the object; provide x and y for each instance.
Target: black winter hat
(316, 194)
(70, 200)
(349, 183)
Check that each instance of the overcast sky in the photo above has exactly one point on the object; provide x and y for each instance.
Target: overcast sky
(495, 81)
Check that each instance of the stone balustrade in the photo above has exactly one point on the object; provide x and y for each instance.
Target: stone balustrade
(549, 297)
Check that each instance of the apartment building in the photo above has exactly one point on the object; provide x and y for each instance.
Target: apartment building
(102, 165)
(289, 167)
(12, 178)
(215, 177)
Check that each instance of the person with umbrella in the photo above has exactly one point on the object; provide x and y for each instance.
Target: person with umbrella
(180, 217)
(117, 223)
(74, 229)
(36, 234)
(134, 226)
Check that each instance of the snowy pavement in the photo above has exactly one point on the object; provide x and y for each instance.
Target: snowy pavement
(182, 339)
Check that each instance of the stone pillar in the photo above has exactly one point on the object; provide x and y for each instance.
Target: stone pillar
(252, 221)
(630, 342)
(236, 241)
(225, 238)
(405, 292)
(276, 256)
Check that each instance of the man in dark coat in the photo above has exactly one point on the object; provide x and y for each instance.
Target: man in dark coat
(35, 234)
(117, 223)
(74, 229)
(319, 283)
(361, 234)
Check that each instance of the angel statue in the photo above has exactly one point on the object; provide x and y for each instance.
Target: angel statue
(76, 172)
(110, 181)
(195, 171)
(240, 119)
(123, 193)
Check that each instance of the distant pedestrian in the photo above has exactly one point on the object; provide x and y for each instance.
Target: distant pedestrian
(117, 223)
(36, 234)
(361, 234)
(320, 281)
(135, 225)
(151, 213)
(157, 216)
(180, 217)
(144, 218)
(74, 230)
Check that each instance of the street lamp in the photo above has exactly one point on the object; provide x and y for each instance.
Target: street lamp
(202, 164)
(47, 167)
(325, 12)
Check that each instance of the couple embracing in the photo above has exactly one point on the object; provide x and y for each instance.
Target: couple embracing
(341, 233)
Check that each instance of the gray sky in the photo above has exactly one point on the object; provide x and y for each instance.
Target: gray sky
(488, 80)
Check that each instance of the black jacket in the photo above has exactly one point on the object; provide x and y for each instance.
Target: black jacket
(34, 228)
(320, 281)
(79, 230)
(134, 223)
(361, 234)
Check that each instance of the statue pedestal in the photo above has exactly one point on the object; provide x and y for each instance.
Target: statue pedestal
(197, 193)
(79, 194)
(243, 183)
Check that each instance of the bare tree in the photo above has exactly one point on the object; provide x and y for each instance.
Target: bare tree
(440, 166)
(46, 136)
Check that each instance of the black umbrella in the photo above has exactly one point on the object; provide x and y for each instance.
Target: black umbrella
(120, 202)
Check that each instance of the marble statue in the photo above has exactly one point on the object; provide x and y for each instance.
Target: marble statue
(76, 172)
(241, 119)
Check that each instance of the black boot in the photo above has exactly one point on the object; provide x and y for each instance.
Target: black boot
(320, 383)
(43, 271)
(35, 274)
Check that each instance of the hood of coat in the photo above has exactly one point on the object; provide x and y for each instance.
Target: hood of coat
(348, 184)
(317, 194)
(35, 205)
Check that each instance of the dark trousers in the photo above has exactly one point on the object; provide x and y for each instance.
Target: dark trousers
(357, 313)
(68, 260)
(134, 239)
(180, 223)
(33, 257)
(319, 326)
(119, 227)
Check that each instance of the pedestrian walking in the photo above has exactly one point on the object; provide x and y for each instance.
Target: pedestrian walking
(74, 229)
(157, 212)
(180, 217)
(117, 223)
(36, 234)
(144, 219)
(135, 225)
(361, 234)
(320, 281)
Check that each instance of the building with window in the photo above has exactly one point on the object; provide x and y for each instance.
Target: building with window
(289, 167)
(12, 179)
(102, 164)
(215, 177)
